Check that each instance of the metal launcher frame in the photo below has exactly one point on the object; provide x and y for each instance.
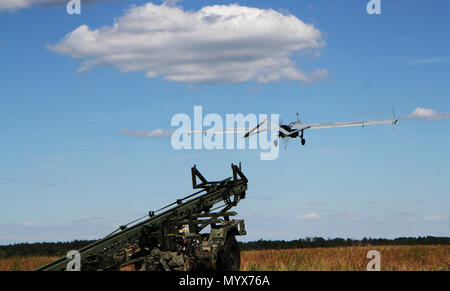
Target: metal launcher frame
(132, 242)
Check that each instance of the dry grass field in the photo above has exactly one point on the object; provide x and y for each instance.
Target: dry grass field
(24, 263)
(393, 258)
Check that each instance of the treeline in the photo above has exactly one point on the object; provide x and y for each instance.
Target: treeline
(319, 242)
(61, 248)
(42, 249)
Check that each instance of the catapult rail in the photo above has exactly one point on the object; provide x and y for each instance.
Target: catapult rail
(187, 210)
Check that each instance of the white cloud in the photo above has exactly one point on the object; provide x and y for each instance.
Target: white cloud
(427, 114)
(310, 216)
(431, 60)
(434, 217)
(13, 5)
(146, 133)
(217, 44)
(29, 223)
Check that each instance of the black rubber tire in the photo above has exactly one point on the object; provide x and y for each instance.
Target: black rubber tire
(229, 259)
(303, 141)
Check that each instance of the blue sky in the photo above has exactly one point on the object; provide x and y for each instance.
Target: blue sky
(66, 174)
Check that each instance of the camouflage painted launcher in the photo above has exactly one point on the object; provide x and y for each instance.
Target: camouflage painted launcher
(170, 238)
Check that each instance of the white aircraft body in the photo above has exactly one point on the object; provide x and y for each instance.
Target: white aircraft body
(294, 129)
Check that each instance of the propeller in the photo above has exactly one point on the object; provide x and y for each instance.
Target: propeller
(394, 117)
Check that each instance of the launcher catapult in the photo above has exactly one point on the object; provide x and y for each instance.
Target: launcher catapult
(171, 238)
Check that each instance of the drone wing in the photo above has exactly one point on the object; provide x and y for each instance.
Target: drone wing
(248, 131)
(221, 131)
(349, 124)
(266, 125)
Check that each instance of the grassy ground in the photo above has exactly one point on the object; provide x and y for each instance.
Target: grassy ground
(24, 263)
(395, 258)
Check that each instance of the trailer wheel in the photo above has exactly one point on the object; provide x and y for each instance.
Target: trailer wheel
(229, 259)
